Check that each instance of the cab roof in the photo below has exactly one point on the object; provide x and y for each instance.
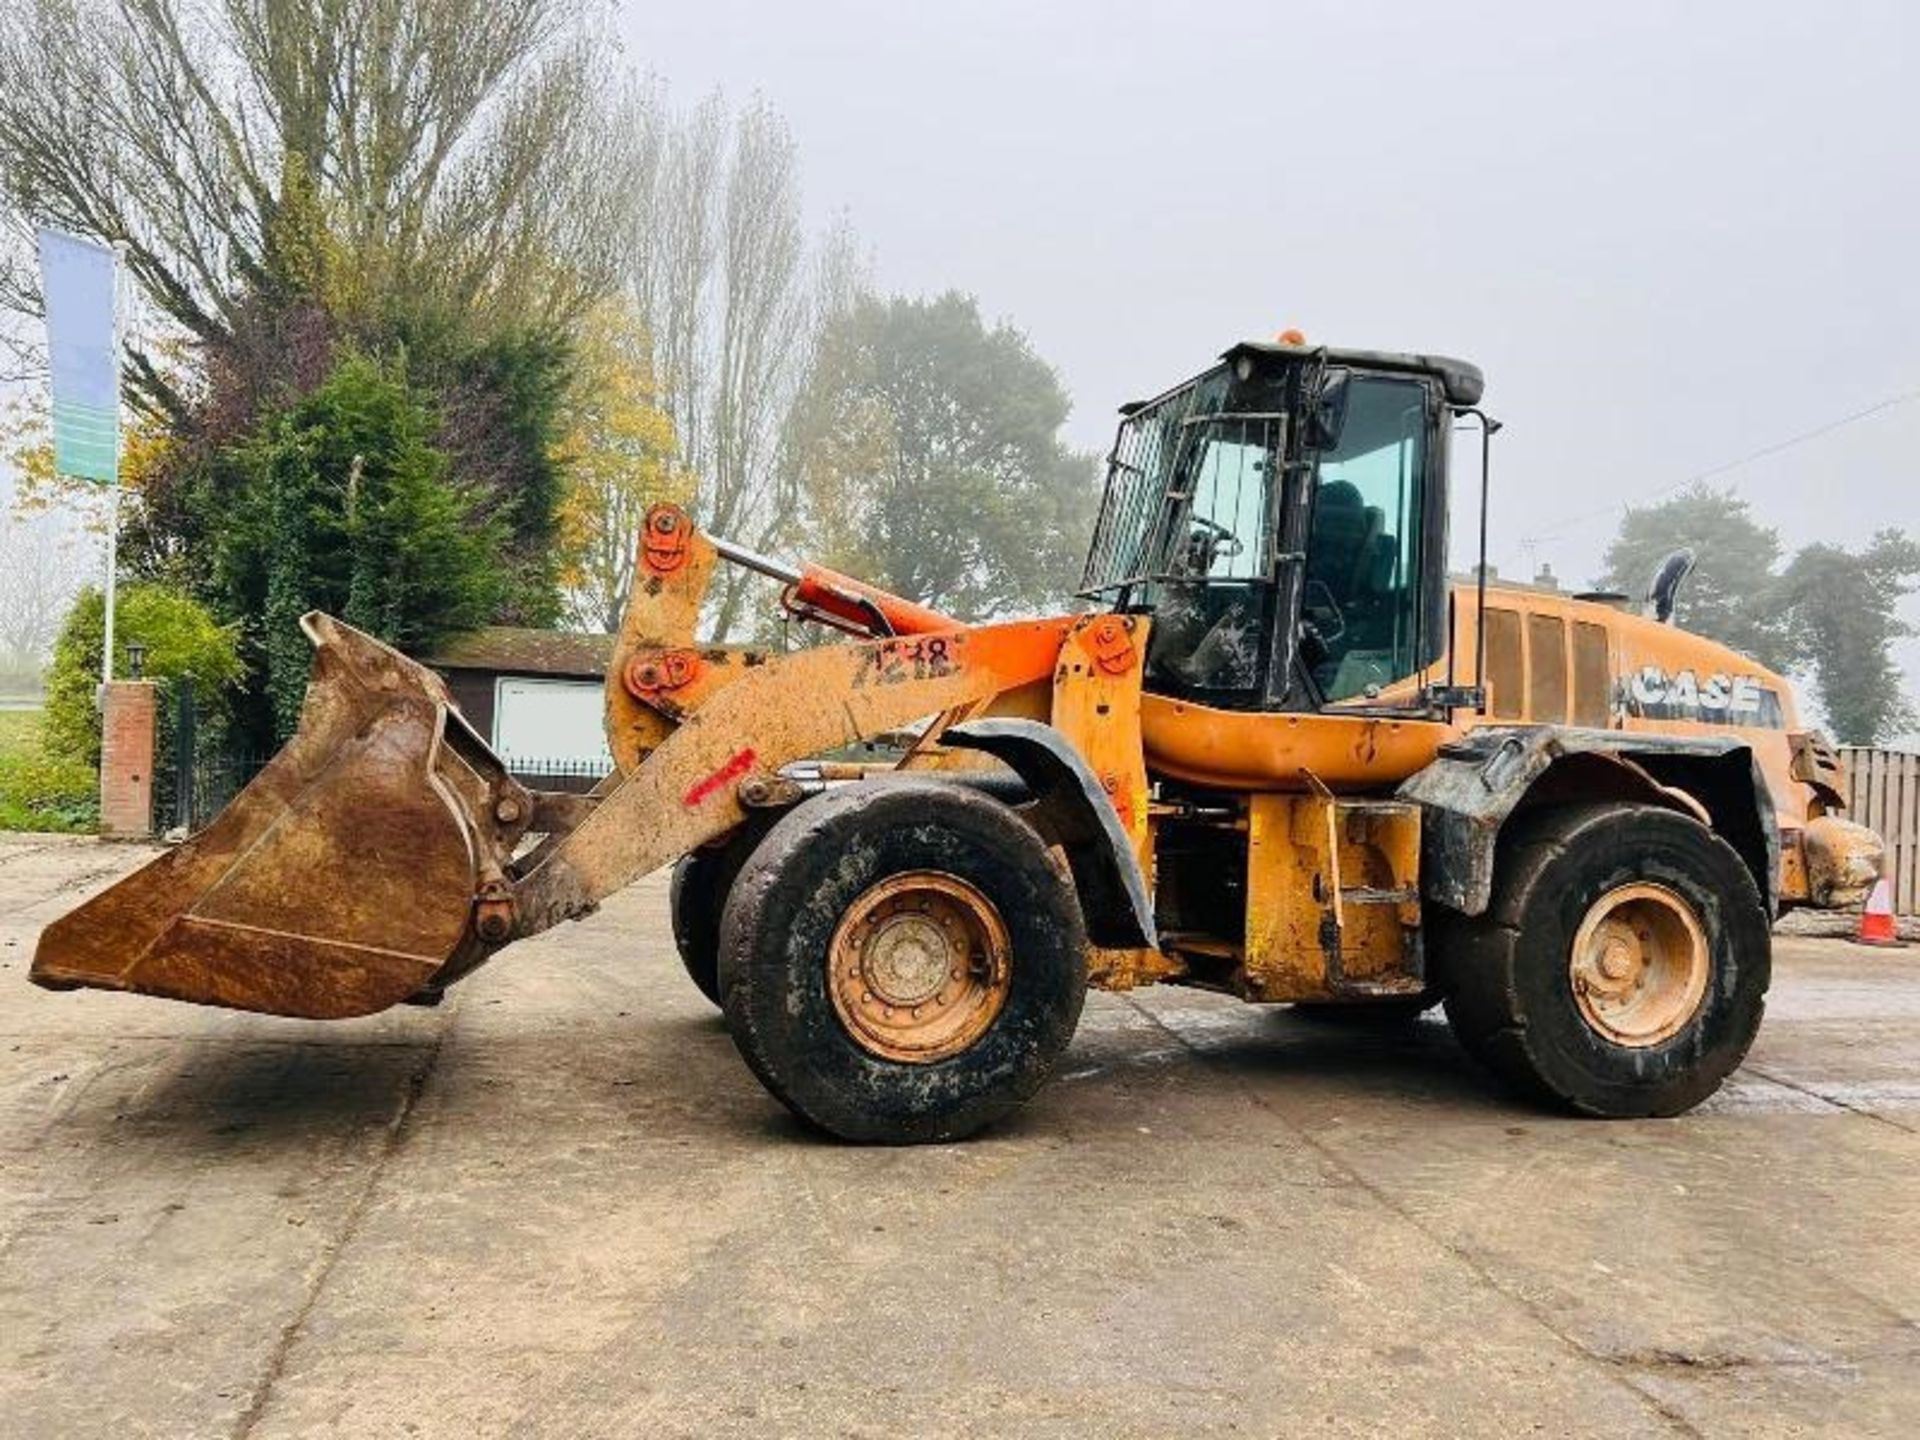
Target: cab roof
(1463, 383)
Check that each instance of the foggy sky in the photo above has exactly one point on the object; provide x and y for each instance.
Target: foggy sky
(1670, 234)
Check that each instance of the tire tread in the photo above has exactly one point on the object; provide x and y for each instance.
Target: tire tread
(1487, 994)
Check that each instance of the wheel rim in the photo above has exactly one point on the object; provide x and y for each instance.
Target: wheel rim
(1639, 965)
(919, 967)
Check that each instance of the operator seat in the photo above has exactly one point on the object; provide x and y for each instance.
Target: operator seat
(1350, 565)
(1344, 529)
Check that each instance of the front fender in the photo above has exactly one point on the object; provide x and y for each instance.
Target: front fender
(1071, 810)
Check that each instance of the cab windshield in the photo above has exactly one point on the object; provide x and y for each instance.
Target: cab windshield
(1135, 538)
(1187, 531)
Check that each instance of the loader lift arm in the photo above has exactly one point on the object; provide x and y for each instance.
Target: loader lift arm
(685, 791)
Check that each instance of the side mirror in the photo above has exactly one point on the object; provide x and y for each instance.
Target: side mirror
(1327, 414)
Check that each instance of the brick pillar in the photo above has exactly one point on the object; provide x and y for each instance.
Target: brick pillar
(126, 758)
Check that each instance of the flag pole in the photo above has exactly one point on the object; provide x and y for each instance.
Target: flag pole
(113, 504)
(113, 565)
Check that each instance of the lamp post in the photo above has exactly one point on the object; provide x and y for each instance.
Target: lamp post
(136, 658)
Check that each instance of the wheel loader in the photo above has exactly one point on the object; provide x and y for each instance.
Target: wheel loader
(1279, 753)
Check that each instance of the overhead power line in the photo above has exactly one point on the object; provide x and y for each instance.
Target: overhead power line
(1561, 526)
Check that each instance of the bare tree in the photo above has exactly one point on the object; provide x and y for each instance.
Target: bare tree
(41, 563)
(356, 149)
(735, 301)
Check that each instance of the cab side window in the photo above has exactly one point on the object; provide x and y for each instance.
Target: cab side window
(1361, 605)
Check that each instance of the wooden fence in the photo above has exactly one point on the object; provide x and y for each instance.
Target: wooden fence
(1884, 792)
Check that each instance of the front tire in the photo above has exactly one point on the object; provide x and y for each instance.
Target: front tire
(902, 962)
(1622, 967)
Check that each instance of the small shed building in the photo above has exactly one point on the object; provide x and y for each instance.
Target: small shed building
(535, 696)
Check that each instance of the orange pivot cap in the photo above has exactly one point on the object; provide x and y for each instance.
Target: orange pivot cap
(664, 537)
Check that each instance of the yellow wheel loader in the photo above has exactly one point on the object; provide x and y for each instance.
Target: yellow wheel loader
(1281, 755)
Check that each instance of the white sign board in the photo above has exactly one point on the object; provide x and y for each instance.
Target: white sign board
(552, 720)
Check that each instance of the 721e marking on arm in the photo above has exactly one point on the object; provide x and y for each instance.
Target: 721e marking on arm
(915, 657)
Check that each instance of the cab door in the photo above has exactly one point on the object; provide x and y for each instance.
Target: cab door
(1373, 590)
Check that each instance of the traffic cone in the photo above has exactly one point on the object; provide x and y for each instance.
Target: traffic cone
(1876, 921)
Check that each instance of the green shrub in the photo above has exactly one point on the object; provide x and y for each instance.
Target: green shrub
(38, 790)
(184, 644)
(350, 507)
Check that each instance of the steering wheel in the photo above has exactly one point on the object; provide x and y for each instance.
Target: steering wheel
(1207, 542)
(1317, 599)
(1225, 542)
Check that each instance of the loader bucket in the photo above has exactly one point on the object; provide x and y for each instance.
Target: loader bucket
(339, 882)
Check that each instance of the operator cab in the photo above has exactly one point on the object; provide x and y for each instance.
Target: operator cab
(1283, 519)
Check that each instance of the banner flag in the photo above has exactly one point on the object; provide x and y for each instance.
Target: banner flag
(82, 344)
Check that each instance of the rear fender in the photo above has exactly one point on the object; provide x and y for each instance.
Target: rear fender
(1467, 794)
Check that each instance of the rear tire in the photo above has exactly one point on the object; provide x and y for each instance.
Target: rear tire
(907, 890)
(697, 895)
(1622, 967)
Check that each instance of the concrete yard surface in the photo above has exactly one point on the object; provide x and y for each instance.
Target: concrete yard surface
(559, 1205)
